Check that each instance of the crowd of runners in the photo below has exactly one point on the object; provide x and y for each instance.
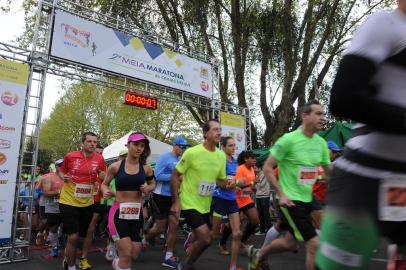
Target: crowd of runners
(339, 207)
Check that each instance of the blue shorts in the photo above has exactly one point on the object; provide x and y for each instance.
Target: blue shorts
(223, 207)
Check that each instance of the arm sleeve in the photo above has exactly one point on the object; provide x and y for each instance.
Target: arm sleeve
(160, 173)
(184, 162)
(353, 95)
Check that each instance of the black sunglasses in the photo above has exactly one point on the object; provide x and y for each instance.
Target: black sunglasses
(183, 147)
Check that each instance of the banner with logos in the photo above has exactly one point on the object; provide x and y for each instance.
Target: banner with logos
(90, 43)
(13, 88)
(233, 125)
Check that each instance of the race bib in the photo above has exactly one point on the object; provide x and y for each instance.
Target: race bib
(392, 199)
(206, 188)
(130, 211)
(56, 199)
(245, 193)
(307, 175)
(83, 190)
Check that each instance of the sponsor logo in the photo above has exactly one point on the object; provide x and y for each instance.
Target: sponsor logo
(204, 73)
(3, 158)
(4, 172)
(9, 98)
(204, 86)
(3, 182)
(4, 144)
(76, 37)
(7, 129)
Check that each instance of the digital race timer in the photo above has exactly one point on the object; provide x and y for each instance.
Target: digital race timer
(134, 99)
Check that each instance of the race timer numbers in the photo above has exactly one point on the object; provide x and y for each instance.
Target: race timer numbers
(134, 99)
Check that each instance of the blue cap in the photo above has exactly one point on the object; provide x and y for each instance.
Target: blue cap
(333, 146)
(180, 141)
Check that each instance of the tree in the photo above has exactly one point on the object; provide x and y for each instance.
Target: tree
(293, 45)
(88, 107)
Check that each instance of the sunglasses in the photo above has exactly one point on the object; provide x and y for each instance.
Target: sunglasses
(183, 147)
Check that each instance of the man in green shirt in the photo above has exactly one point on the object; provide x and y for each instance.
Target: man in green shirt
(202, 167)
(297, 154)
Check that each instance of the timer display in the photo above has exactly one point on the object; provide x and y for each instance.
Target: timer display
(134, 99)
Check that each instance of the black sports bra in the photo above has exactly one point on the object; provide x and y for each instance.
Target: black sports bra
(130, 182)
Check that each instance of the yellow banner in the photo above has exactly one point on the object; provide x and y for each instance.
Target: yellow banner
(231, 120)
(13, 72)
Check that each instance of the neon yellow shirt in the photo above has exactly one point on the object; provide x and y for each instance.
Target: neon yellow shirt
(200, 168)
(299, 156)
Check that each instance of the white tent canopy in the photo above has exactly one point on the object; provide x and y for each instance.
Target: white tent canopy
(157, 148)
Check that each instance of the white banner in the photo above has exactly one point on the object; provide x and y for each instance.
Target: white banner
(233, 125)
(96, 45)
(13, 87)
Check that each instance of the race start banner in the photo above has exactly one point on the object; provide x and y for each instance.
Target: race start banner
(13, 88)
(93, 44)
(233, 125)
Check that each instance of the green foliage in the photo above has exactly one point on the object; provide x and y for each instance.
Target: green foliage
(88, 107)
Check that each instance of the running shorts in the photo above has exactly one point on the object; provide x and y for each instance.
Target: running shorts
(352, 226)
(195, 219)
(222, 207)
(120, 228)
(163, 206)
(75, 219)
(53, 219)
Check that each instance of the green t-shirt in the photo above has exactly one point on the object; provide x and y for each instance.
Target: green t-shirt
(200, 168)
(113, 189)
(299, 156)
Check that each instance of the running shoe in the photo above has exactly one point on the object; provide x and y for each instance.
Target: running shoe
(111, 252)
(54, 252)
(65, 263)
(223, 250)
(84, 264)
(172, 262)
(394, 262)
(40, 239)
(253, 258)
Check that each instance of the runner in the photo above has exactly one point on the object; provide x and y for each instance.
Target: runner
(202, 166)
(52, 185)
(125, 217)
(163, 201)
(79, 170)
(245, 181)
(366, 196)
(98, 211)
(298, 154)
(225, 204)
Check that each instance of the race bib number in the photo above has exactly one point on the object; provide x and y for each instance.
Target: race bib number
(245, 193)
(307, 175)
(206, 188)
(392, 199)
(130, 211)
(83, 191)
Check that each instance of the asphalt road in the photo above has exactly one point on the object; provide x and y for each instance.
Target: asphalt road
(151, 260)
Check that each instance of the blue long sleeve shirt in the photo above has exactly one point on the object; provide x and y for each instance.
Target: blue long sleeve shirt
(163, 173)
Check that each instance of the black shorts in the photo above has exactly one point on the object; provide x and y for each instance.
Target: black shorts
(53, 219)
(76, 219)
(223, 207)
(316, 204)
(247, 207)
(121, 228)
(195, 219)
(99, 208)
(298, 220)
(162, 207)
(358, 194)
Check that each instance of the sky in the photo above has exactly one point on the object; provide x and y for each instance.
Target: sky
(15, 19)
